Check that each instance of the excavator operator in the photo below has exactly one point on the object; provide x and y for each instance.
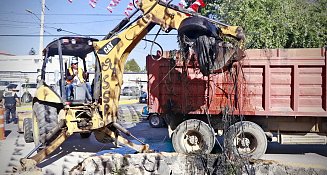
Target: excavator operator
(76, 77)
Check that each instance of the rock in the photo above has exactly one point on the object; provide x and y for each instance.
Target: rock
(175, 163)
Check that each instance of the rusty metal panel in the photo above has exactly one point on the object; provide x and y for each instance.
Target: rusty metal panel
(311, 89)
(280, 88)
(268, 82)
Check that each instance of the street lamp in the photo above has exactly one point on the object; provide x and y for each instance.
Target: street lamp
(41, 27)
(62, 30)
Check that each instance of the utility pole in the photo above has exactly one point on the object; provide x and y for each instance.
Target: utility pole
(41, 29)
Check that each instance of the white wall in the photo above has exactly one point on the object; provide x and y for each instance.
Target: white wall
(130, 79)
(19, 68)
(25, 67)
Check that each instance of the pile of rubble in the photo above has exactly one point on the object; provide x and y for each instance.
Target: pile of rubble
(175, 163)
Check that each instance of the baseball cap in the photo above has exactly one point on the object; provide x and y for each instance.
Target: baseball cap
(74, 60)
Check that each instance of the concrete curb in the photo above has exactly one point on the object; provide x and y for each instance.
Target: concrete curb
(24, 108)
(125, 102)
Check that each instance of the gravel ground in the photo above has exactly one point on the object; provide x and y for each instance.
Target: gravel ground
(76, 149)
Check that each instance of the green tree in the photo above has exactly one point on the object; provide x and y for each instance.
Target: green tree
(275, 23)
(132, 66)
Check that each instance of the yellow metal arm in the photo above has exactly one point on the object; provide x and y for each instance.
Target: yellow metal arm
(113, 52)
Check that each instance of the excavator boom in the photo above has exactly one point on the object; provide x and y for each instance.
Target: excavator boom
(113, 52)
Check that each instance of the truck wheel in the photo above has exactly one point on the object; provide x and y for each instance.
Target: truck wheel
(156, 121)
(85, 135)
(193, 136)
(28, 130)
(246, 139)
(45, 118)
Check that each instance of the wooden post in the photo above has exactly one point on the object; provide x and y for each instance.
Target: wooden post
(2, 124)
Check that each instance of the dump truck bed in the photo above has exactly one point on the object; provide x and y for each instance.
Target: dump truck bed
(267, 82)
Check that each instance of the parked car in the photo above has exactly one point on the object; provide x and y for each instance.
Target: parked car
(25, 91)
(131, 91)
(143, 97)
(3, 85)
(155, 120)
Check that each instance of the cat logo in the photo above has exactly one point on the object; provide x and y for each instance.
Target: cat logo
(109, 46)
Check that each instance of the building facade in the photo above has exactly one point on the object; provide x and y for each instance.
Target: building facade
(26, 68)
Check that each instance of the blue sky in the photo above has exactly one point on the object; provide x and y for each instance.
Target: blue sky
(78, 17)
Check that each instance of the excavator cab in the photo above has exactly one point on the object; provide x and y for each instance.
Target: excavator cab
(58, 56)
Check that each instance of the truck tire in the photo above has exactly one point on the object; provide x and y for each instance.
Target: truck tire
(195, 26)
(45, 118)
(193, 136)
(206, 54)
(246, 139)
(28, 130)
(156, 121)
(204, 36)
(85, 135)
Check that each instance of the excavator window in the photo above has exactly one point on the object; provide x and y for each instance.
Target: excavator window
(58, 73)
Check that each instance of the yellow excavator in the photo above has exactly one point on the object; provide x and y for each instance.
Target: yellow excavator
(55, 118)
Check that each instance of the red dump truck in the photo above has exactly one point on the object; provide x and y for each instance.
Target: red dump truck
(271, 95)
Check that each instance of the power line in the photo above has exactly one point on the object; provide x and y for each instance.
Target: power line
(17, 25)
(81, 22)
(84, 22)
(24, 35)
(62, 14)
(17, 21)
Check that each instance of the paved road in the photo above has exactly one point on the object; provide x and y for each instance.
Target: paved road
(313, 156)
(75, 149)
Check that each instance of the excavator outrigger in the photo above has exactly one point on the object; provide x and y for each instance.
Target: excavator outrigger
(55, 118)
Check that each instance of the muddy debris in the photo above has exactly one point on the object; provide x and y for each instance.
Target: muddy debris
(176, 163)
